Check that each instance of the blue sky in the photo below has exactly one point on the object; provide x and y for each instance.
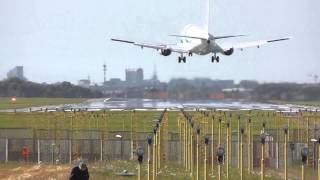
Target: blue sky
(69, 40)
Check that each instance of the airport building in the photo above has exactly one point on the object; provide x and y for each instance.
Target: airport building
(16, 72)
(84, 83)
(134, 76)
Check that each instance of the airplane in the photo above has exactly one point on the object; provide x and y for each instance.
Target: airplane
(198, 40)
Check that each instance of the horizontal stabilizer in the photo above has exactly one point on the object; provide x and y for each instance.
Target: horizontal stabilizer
(193, 37)
(225, 37)
(203, 38)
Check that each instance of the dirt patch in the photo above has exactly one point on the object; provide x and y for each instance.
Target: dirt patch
(36, 172)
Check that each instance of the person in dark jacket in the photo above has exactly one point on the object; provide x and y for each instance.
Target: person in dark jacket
(79, 172)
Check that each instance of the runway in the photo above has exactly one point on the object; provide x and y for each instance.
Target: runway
(149, 104)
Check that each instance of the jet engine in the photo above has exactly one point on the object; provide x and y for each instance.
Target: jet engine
(228, 52)
(165, 52)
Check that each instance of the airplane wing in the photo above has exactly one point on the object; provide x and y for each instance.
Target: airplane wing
(153, 45)
(257, 44)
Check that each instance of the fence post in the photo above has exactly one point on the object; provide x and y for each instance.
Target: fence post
(7, 149)
(70, 151)
(38, 144)
(101, 146)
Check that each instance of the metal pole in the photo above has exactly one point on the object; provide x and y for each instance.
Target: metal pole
(131, 135)
(206, 160)
(228, 154)
(319, 159)
(191, 154)
(38, 144)
(230, 143)
(149, 161)
(212, 144)
(238, 162)
(302, 172)
(219, 141)
(241, 157)
(101, 149)
(262, 161)
(249, 146)
(159, 147)
(154, 166)
(277, 143)
(184, 145)
(187, 146)
(70, 151)
(139, 171)
(285, 154)
(7, 150)
(219, 171)
(198, 152)
(307, 137)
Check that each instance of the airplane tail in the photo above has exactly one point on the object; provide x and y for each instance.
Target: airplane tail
(208, 15)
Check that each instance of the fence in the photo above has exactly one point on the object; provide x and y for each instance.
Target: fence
(61, 146)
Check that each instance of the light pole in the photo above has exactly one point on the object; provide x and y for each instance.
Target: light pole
(198, 151)
(249, 145)
(191, 151)
(212, 143)
(220, 156)
(285, 152)
(206, 142)
(140, 153)
(149, 140)
(263, 126)
(228, 153)
(241, 154)
(292, 152)
(154, 152)
(318, 141)
(263, 140)
(304, 157)
(238, 142)
(219, 140)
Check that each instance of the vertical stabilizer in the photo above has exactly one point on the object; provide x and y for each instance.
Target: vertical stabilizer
(208, 15)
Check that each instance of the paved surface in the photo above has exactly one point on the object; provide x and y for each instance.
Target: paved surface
(147, 104)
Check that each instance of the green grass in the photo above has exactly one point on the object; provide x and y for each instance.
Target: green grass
(5, 102)
(109, 121)
(141, 121)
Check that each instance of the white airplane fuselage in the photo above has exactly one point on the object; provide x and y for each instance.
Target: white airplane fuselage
(198, 46)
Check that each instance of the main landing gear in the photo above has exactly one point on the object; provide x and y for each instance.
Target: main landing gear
(182, 59)
(215, 58)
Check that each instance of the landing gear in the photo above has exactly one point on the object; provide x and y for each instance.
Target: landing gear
(215, 57)
(182, 59)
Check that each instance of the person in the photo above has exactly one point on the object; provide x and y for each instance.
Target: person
(25, 153)
(79, 172)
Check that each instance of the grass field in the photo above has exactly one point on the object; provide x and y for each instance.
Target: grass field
(5, 102)
(140, 121)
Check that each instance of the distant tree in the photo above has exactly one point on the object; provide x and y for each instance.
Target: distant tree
(17, 87)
